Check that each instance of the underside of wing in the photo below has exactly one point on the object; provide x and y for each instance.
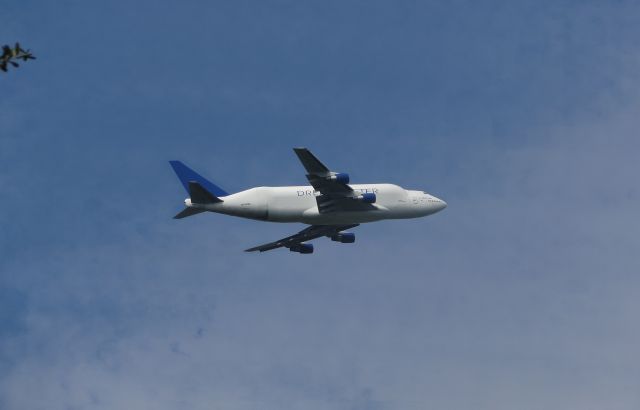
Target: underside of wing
(320, 177)
(333, 191)
(295, 242)
(335, 203)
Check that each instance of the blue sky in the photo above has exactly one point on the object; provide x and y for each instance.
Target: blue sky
(522, 294)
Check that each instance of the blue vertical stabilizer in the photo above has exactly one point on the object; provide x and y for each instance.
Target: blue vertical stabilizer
(186, 175)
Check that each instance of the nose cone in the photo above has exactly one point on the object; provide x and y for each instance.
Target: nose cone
(440, 204)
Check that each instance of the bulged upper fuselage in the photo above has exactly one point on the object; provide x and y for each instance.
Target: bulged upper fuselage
(300, 204)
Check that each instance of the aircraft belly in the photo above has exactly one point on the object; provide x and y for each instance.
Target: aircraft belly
(313, 217)
(285, 215)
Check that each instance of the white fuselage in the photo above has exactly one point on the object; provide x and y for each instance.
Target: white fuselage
(299, 204)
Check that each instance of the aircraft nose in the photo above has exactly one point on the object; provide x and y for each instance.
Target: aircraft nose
(440, 205)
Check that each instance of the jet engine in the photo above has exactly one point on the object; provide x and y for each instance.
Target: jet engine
(367, 198)
(340, 177)
(345, 237)
(302, 248)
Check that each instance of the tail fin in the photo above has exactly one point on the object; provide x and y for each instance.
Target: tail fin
(187, 175)
(200, 190)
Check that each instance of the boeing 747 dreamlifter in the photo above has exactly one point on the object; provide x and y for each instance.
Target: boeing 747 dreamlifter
(330, 205)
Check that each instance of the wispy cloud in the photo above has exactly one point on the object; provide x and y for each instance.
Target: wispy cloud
(522, 294)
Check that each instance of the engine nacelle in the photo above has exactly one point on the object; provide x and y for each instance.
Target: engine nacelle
(340, 177)
(368, 198)
(345, 237)
(302, 248)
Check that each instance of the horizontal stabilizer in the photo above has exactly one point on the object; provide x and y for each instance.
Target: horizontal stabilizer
(188, 212)
(199, 195)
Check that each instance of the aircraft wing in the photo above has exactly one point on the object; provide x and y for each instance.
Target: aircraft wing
(312, 232)
(335, 193)
(321, 178)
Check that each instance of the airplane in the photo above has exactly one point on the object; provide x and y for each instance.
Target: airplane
(9, 53)
(330, 204)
